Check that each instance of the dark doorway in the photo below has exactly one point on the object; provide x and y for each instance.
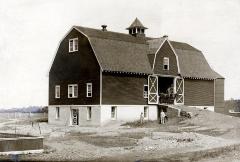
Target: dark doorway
(74, 116)
(164, 83)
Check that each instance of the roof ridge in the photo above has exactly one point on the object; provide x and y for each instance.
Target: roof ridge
(95, 33)
(104, 31)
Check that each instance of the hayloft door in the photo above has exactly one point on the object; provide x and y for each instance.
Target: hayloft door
(152, 89)
(179, 91)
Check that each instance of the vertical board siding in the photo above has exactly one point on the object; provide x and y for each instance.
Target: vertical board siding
(123, 89)
(198, 92)
(166, 51)
(219, 96)
(78, 67)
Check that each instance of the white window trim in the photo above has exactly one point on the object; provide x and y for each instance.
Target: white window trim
(73, 49)
(145, 93)
(166, 58)
(57, 112)
(115, 113)
(74, 95)
(57, 87)
(88, 116)
(145, 117)
(89, 90)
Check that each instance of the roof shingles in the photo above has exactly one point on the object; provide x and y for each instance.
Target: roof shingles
(125, 53)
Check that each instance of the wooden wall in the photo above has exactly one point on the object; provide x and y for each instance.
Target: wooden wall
(166, 51)
(219, 96)
(198, 92)
(79, 68)
(123, 89)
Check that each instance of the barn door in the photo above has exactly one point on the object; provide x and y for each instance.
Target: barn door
(179, 91)
(152, 89)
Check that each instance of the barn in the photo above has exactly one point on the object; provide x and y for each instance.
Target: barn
(99, 76)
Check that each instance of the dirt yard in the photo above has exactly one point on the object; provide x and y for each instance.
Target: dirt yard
(207, 136)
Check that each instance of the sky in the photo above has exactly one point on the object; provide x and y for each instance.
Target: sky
(30, 31)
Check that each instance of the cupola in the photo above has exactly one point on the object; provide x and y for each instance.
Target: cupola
(137, 28)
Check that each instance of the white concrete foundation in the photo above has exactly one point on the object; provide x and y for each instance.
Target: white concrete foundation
(100, 114)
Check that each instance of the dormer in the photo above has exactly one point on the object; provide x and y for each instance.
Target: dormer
(137, 28)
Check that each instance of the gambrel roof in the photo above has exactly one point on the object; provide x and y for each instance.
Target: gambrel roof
(192, 63)
(120, 52)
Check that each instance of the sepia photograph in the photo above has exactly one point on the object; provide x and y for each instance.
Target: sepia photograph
(124, 81)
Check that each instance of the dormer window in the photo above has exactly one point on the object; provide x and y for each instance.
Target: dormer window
(73, 45)
(165, 63)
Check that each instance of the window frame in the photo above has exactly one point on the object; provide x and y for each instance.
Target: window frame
(115, 113)
(74, 45)
(145, 93)
(89, 113)
(73, 92)
(145, 112)
(89, 90)
(57, 112)
(165, 58)
(57, 87)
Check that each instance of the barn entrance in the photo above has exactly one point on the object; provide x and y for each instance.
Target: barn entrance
(165, 90)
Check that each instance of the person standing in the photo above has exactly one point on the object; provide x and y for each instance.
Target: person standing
(162, 116)
(141, 118)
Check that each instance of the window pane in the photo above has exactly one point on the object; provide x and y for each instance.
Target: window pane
(57, 112)
(70, 45)
(75, 91)
(113, 112)
(89, 112)
(57, 91)
(75, 44)
(89, 89)
(145, 112)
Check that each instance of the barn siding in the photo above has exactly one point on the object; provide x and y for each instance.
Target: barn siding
(73, 68)
(166, 51)
(198, 92)
(219, 96)
(123, 89)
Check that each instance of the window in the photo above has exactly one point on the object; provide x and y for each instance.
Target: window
(113, 112)
(73, 45)
(89, 113)
(57, 112)
(145, 91)
(165, 63)
(89, 89)
(145, 114)
(72, 91)
(57, 91)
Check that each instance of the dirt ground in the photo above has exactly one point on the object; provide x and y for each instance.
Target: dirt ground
(207, 136)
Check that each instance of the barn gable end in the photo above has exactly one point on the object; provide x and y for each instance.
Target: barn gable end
(73, 68)
(165, 51)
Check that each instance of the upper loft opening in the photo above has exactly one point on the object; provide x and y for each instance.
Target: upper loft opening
(137, 28)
